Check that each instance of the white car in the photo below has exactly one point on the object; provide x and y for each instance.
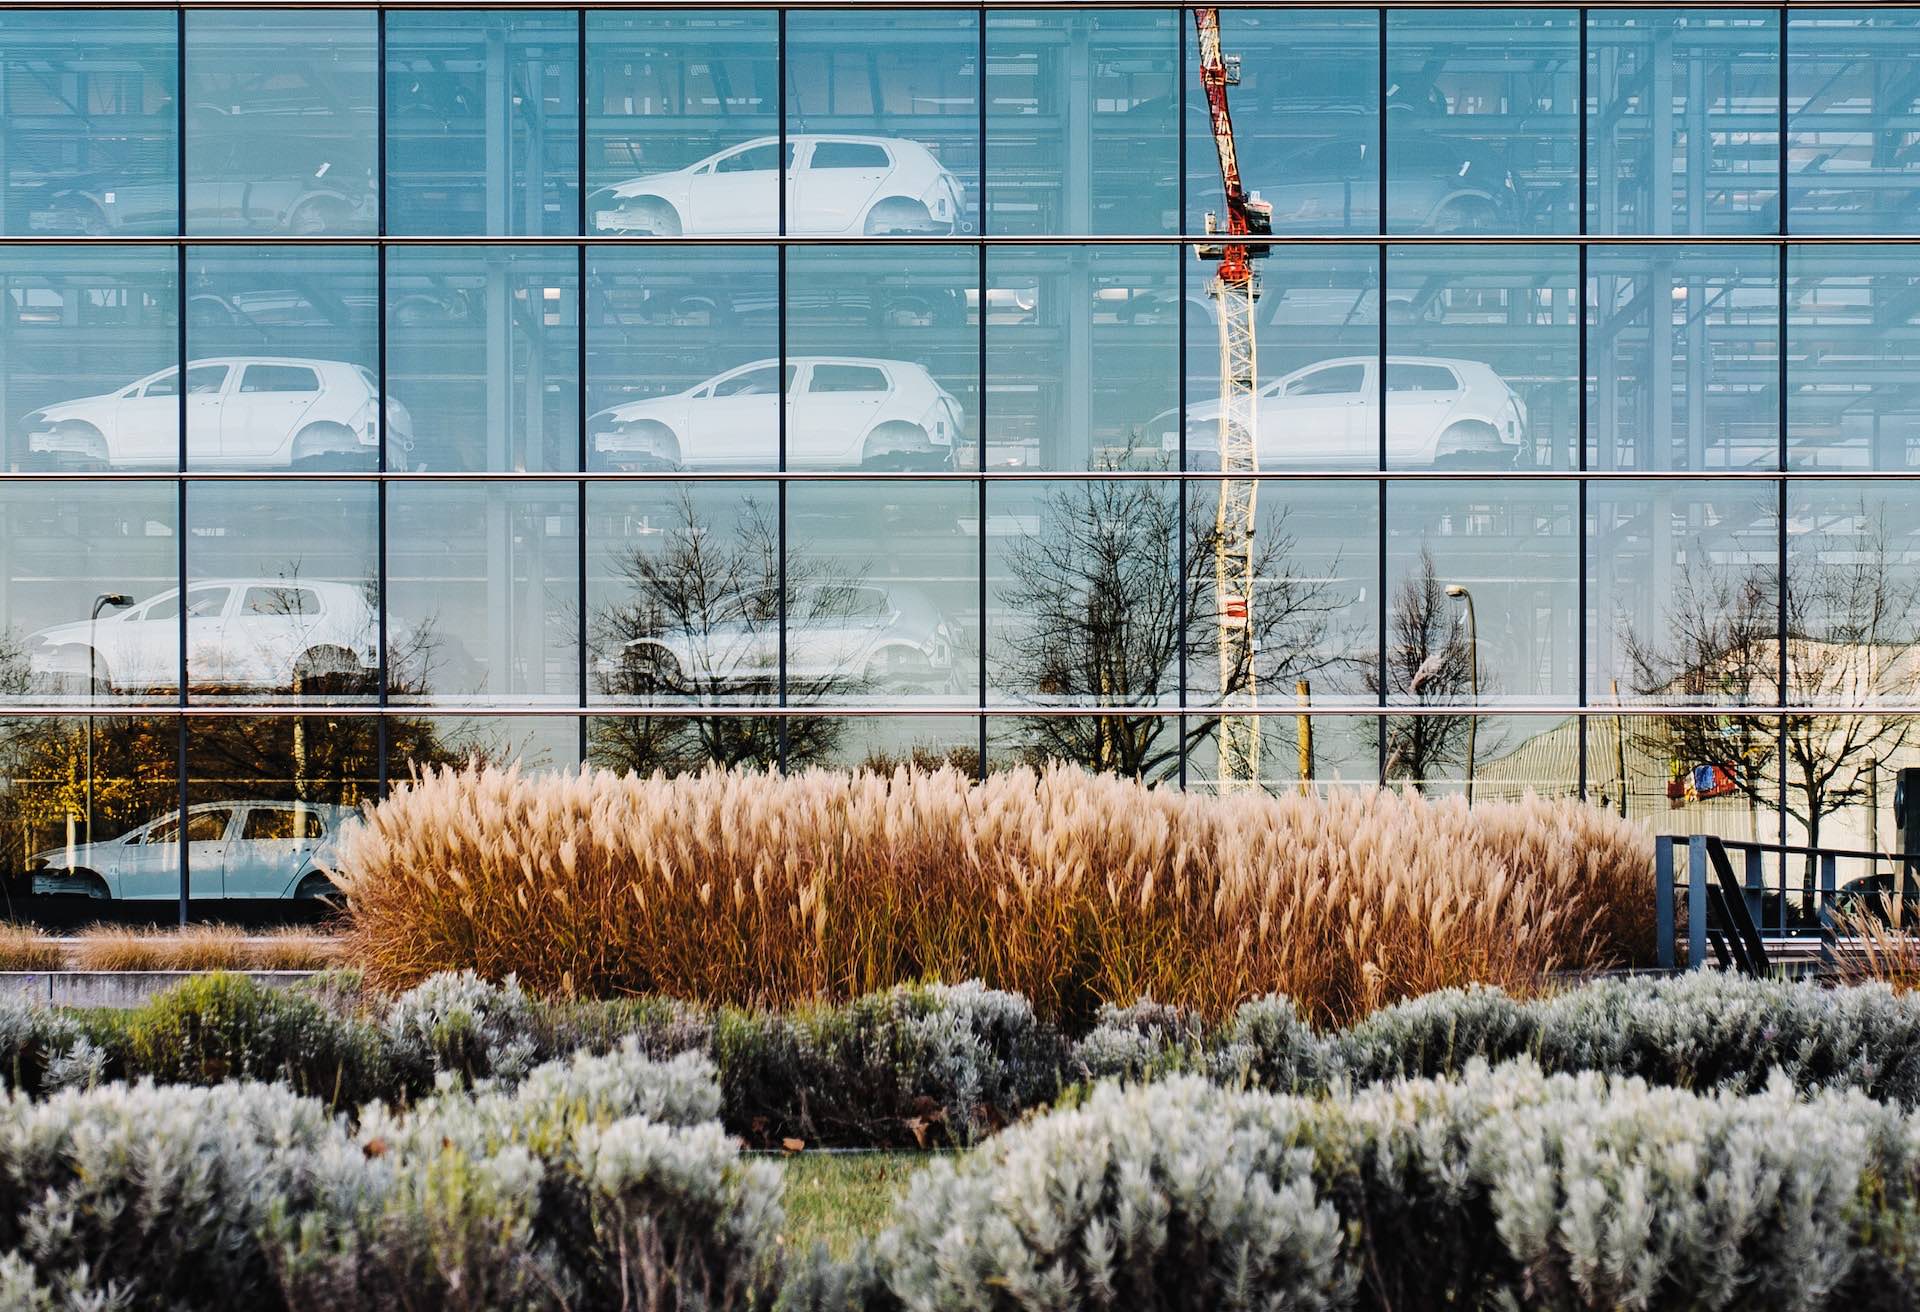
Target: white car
(841, 637)
(1440, 413)
(843, 412)
(872, 186)
(251, 412)
(241, 633)
(235, 849)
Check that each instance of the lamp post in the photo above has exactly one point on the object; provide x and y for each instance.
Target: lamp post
(100, 603)
(1459, 593)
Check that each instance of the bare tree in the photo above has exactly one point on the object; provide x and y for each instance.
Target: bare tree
(1429, 664)
(1100, 600)
(701, 628)
(1851, 641)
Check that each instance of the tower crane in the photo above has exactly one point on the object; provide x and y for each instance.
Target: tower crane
(1236, 286)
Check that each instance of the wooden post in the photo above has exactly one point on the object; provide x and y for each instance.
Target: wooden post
(1301, 692)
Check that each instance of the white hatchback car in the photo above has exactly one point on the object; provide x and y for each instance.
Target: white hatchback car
(251, 412)
(843, 412)
(841, 637)
(259, 634)
(872, 186)
(235, 849)
(1441, 413)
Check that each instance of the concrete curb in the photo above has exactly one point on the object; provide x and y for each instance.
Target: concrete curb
(116, 988)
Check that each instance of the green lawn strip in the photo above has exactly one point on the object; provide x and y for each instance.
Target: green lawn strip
(840, 1198)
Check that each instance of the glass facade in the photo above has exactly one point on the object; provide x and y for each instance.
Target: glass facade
(660, 385)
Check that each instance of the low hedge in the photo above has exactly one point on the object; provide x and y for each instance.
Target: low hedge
(943, 1065)
(599, 1182)
(1498, 1188)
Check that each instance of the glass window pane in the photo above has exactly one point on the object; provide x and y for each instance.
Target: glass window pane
(1851, 162)
(297, 334)
(1483, 133)
(1680, 575)
(1306, 118)
(1338, 753)
(1683, 127)
(482, 342)
(537, 744)
(1853, 603)
(882, 593)
(80, 564)
(1082, 121)
(86, 334)
(683, 121)
(1084, 602)
(907, 80)
(1502, 321)
(483, 122)
(312, 546)
(270, 799)
(1683, 349)
(1510, 756)
(1482, 593)
(1854, 330)
(91, 122)
(281, 121)
(680, 340)
(482, 592)
(1317, 330)
(907, 311)
(1082, 349)
(77, 804)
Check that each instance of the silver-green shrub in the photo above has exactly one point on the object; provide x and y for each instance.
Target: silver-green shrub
(1177, 1194)
(1268, 1045)
(158, 1191)
(1434, 1034)
(1143, 1041)
(33, 1038)
(458, 1023)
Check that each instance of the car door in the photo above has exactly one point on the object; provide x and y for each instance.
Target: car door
(1420, 396)
(735, 420)
(831, 411)
(1319, 417)
(146, 420)
(263, 410)
(275, 846)
(149, 864)
(736, 193)
(207, 842)
(837, 181)
(267, 634)
(207, 636)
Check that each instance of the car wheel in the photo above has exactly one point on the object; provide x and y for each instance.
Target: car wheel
(657, 218)
(899, 445)
(902, 216)
(648, 670)
(95, 888)
(329, 672)
(323, 447)
(314, 887)
(1467, 214)
(317, 218)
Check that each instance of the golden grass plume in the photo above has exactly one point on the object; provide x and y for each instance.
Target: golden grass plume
(1074, 889)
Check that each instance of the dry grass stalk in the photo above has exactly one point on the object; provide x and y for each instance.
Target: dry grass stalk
(24, 948)
(1071, 888)
(1878, 951)
(200, 947)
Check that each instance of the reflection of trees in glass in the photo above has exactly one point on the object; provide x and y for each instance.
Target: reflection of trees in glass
(701, 627)
(1851, 641)
(1428, 664)
(1099, 600)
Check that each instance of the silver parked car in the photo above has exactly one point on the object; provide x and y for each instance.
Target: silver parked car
(234, 849)
(248, 412)
(835, 185)
(840, 637)
(1441, 413)
(842, 412)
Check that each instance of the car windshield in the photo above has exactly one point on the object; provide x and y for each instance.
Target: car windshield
(1420, 378)
(847, 378)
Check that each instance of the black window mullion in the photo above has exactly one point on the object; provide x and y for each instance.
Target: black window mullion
(180, 504)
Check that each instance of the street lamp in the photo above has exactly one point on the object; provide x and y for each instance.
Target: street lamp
(117, 600)
(1459, 593)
